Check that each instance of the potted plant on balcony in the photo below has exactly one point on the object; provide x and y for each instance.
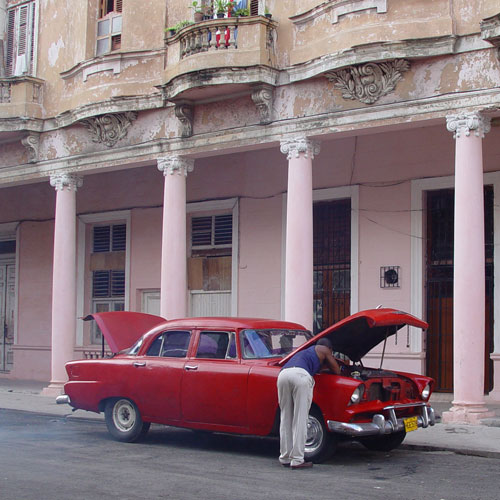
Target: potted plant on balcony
(267, 13)
(172, 30)
(198, 11)
(221, 8)
(242, 12)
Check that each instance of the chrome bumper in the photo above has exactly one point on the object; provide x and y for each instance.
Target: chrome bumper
(382, 425)
(63, 399)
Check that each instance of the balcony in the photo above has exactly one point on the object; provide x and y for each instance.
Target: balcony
(21, 98)
(220, 56)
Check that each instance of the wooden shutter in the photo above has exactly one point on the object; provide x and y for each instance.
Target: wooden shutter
(11, 38)
(21, 40)
(254, 7)
(118, 5)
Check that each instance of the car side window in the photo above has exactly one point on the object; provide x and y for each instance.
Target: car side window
(216, 345)
(173, 344)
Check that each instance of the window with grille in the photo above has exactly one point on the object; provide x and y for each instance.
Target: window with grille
(213, 231)
(21, 40)
(109, 26)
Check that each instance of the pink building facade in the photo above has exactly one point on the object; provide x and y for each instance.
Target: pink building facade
(333, 158)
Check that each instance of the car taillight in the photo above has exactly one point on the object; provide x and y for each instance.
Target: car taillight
(357, 395)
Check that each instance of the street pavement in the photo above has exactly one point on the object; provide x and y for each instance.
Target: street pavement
(478, 440)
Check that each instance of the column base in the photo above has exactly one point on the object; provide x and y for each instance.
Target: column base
(466, 413)
(53, 390)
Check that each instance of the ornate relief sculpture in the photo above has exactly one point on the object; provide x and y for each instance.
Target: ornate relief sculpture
(110, 128)
(32, 143)
(185, 113)
(368, 82)
(262, 97)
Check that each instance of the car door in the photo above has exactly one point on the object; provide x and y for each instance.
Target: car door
(214, 385)
(158, 374)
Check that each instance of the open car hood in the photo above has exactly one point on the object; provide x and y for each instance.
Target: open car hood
(358, 334)
(122, 328)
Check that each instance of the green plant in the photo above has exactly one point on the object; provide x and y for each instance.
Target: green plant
(242, 12)
(196, 8)
(179, 26)
(221, 6)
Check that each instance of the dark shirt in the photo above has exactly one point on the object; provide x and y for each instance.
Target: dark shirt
(306, 359)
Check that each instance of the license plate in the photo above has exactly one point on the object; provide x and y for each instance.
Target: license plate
(410, 424)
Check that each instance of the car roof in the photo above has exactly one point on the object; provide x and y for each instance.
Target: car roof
(227, 322)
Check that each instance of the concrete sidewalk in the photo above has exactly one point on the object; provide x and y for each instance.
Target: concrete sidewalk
(478, 440)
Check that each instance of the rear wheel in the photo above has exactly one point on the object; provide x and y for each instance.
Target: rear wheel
(383, 443)
(320, 444)
(124, 421)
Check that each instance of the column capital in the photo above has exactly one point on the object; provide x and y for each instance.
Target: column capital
(66, 180)
(300, 144)
(465, 122)
(175, 165)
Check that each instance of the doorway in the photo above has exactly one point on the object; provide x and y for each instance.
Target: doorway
(439, 287)
(7, 301)
(332, 262)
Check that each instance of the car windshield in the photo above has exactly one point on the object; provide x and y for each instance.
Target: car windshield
(135, 348)
(271, 343)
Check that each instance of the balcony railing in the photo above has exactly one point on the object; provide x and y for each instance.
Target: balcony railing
(224, 34)
(207, 38)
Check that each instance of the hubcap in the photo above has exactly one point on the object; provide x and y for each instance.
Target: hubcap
(314, 434)
(124, 415)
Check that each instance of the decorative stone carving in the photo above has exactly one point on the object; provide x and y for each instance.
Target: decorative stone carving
(175, 165)
(185, 113)
(110, 128)
(4, 92)
(368, 82)
(297, 145)
(32, 143)
(465, 122)
(262, 97)
(66, 180)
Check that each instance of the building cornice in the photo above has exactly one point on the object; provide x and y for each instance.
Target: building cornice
(408, 114)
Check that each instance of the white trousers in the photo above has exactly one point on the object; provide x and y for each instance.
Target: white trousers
(295, 391)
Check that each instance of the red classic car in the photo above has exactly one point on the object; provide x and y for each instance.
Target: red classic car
(219, 374)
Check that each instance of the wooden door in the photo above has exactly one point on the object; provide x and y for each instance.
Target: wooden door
(439, 287)
(332, 262)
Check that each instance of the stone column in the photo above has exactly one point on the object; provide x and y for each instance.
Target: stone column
(469, 268)
(63, 279)
(173, 300)
(300, 152)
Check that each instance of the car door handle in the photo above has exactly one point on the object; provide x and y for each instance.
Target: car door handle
(139, 363)
(191, 367)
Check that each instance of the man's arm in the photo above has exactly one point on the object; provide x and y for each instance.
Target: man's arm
(327, 360)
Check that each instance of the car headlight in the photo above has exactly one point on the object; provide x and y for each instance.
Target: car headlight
(426, 392)
(357, 395)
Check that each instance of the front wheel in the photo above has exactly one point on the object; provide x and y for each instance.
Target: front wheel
(124, 421)
(320, 444)
(383, 443)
